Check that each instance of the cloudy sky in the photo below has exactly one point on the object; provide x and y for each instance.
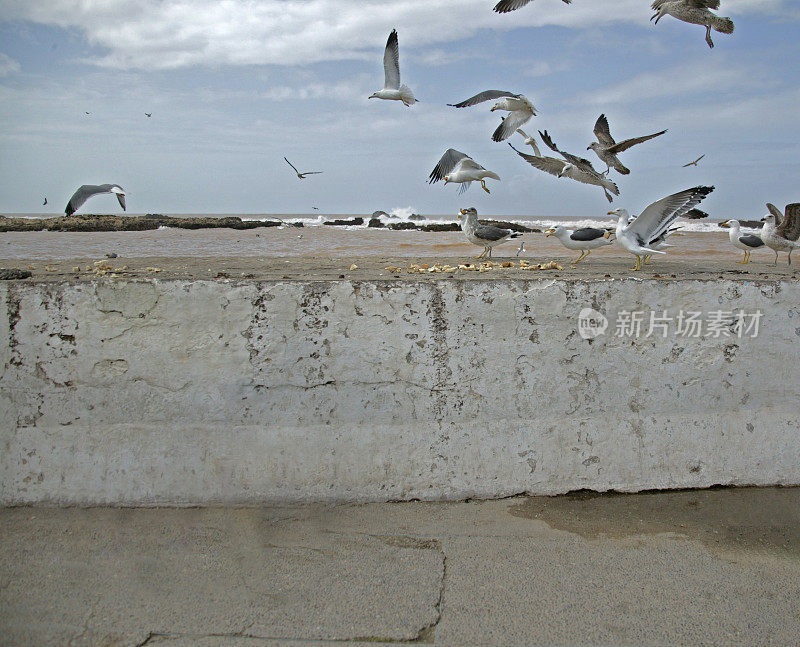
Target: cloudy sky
(234, 85)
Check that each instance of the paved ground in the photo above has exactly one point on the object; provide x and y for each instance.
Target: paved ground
(681, 568)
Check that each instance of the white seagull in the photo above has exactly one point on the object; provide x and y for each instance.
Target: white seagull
(519, 108)
(88, 190)
(747, 242)
(460, 168)
(504, 6)
(486, 236)
(606, 148)
(695, 12)
(302, 175)
(392, 89)
(638, 234)
(780, 232)
(584, 239)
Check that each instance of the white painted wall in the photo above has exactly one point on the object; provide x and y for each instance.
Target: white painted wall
(199, 392)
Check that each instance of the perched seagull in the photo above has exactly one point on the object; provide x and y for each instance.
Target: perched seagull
(45, 201)
(462, 169)
(302, 176)
(575, 168)
(504, 6)
(148, 114)
(695, 12)
(780, 233)
(747, 242)
(637, 235)
(695, 162)
(531, 141)
(606, 148)
(520, 110)
(392, 90)
(585, 239)
(483, 235)
(88, 190)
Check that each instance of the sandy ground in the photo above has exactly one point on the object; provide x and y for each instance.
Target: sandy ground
(713, 567)
(374, 268)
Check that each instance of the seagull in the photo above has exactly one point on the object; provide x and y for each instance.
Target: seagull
(695, 214)
(695, 12)
(606, 148)
(660, 244)
(88, 190)
(504, 6)
(485, 235)
(695, 162)
(780, 233)
(747, 242)
(460, 168)
(45, 201)
(519, 107)
(302, 176)
(579, 169)
(521, 248)
(315, 208)
(392, 90)
(148, 114)
(585, 239)
(637, 235)
(531, 141)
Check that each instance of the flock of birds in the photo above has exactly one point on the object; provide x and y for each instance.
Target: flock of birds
(643, 235)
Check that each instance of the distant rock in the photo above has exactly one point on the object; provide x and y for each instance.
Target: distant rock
(99, 222)
(399, 226)
(442, 226)
(342, 222)
(111, 255)
(376, 223)
(13, 273)
(416, 216)
(750, 224)
(379, 214)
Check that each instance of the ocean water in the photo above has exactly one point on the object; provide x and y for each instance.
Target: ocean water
(702, 238)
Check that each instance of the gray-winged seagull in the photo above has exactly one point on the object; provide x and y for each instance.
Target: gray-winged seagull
(485, 236)
(88, 190)
(460, 168)
(392, 89)
(519, 108)
(747, 242)
(584, 239)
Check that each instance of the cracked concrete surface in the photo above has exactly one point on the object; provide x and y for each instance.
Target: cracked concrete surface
(715, 567)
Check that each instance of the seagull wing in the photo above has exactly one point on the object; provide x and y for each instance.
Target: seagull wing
(489, 232)
(486, 95)
(292, 165)
(658, 216)
(775, 212)
(703, 4)
(510, 124)
(80, 196)
(695, 214)
(790, 227)
(603, 132)
(391, 62)
(447, 163)
(591, 177)
(504, 6)
(587, 233)
(626, 144)
(549, 165)
(121, 200)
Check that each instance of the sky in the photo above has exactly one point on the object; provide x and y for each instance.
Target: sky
(235, 85)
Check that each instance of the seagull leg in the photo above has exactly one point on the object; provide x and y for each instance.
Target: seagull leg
(775, 264)
(490, 252)
(647, 259)
(744, 260)
(635, 268)
(790, 256)
(483, 184)
(708, 37)
(482, 253)
(580, 258)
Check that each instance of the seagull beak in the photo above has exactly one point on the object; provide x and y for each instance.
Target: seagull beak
(549, 232)
(723, 224)
(607, 235)
(611, 213)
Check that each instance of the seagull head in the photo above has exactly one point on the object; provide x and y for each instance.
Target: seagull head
(769, 219)
(566, 169)
(469, 211)
(592, 146)
(374, 95)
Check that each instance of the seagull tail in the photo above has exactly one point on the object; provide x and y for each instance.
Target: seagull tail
(654, 251)
(407, 95)
(722, 25)
(492, 175)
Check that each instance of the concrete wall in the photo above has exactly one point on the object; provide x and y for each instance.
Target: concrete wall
(179, 392)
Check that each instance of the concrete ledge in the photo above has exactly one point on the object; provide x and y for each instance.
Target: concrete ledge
(197, 392)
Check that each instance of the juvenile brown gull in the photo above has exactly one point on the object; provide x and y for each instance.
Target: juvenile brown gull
(695, 12)
(780, 232)
(519, 108)
(504, 6)
(607, 149)
(486, 236)
(695, 162)
(302, 175)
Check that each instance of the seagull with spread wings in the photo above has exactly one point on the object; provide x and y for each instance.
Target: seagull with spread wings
(392, 89)
(575, 168)
(641, 234)
(695, 162)
(89, 190)
(607, 149)
(530, 141)
(696, 12)
(504, 6)
(460, 168)
(519, 108)
(781, 231)
(302, 176)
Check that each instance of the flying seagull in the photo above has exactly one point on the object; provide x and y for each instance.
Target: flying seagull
(584, 239)
(302, 176)
(780, 232)
(531, 141)
(486, 236)
(695, 162)
(519, 107)
(695, 12)
(45, 201)
(747, 242)
(460, 168)
(637, 235)
(148, 114)
(606, 148)
(392, 90)
(575, 168)
(504, 6)
(88, 190)
(87, 113)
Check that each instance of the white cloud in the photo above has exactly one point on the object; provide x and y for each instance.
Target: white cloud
(8, 65)
(165, 34)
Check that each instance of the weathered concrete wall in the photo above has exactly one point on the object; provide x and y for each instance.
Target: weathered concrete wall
(133, 392)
